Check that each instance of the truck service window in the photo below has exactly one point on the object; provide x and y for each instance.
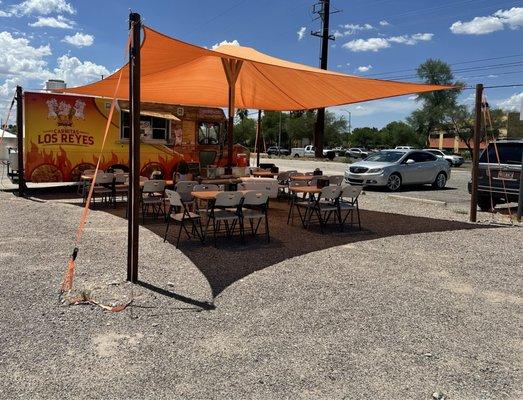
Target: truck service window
(150, 127)
(208, 132)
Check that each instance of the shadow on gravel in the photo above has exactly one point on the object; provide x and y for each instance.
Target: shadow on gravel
(230, 261)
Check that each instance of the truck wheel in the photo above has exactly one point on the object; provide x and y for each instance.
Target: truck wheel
(485, 204)
(394, 182)
(296, 156)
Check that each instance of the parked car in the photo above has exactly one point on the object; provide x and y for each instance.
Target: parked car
(404, 148)
(357, 152)
(309, 151)
(398, 167)
(339, 151)
(498, 179)
(278, 151)
(452, 159)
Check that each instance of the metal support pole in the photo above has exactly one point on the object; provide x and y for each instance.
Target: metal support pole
(475, 155)
(20, 139)
(230, 131)
(319, 128)
(279, 136)
(258, 141)
(520, 198)
(133, 197)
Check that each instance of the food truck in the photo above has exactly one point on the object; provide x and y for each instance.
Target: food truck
(63, 136)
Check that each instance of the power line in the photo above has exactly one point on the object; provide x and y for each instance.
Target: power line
(456, 63)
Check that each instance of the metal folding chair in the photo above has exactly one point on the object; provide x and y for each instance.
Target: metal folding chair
(349, 203)
(176, 203)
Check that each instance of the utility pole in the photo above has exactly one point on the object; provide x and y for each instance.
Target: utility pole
(350, 123)
(475, 155)
(323, 10)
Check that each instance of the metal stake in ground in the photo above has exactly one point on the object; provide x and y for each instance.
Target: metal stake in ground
(520, 198)
(134, 161)
(475, 155)
(20, 139)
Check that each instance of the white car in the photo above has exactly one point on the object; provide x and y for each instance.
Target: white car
(453, 160)
(357, 152)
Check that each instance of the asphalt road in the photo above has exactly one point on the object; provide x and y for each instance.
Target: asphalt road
(455, 193)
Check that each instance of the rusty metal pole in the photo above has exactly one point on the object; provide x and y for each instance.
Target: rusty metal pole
(475, 155)
(133, 197)
(20, 139)
(258, 137)
(520, 197)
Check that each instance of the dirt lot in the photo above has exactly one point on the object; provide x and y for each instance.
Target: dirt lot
(417, 302)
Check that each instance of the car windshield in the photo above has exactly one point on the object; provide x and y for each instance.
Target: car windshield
(386, 156)
(446, 152)
(509, 153)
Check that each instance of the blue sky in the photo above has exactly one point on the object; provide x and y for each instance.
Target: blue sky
(81, 40)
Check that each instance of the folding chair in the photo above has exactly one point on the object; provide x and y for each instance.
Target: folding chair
(152, 195)
(336, 179)
(184, 189)
(255, 207)
(176, 203)
(283, 182)
(103, 187)
(349, 202)
(324, 206)
(221, 210)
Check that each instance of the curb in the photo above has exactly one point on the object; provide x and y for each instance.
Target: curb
(418, 200)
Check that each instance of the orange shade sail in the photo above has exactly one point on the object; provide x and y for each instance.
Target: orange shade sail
(175, 72)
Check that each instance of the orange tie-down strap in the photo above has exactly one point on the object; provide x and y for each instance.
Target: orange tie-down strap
(67, 283)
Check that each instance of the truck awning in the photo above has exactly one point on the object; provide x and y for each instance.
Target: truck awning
(157, 114)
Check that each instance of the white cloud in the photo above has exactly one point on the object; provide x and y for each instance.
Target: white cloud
(79, 39)
(337, 34)
(351, 29)
(75, 72)
(382, 107)
(513, 103)
(225, 43)
(365, 68)
(4, 14)
(375, 44)
(372, 44)
(52, 22)
(42, 7)
(384, 23)
(412, 39)
(512, 18)
(18, 57)
(301, 32)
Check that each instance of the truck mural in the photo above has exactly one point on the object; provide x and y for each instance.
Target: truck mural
(63, 136)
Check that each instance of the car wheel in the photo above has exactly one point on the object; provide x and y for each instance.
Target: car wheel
(296, 156)
(485, 204)
(394, 182)
(440, 181)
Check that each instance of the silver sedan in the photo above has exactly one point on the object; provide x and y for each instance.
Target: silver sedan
(394, 168)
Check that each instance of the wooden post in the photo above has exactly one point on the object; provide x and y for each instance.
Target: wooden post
(232, 69)
(20, 139)
(133, 198)
(258, 141)
(475, 155)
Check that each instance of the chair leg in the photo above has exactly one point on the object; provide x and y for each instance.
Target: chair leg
(166, 230)
(179, 234)
(267, 229)
(359, 221)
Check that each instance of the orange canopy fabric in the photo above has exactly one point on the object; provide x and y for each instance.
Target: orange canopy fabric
(175, 72)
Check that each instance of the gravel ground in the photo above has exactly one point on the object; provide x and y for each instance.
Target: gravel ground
(409, 306)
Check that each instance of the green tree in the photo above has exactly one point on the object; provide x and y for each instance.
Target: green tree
(365, 137)
(397, 133)
(438, 105)
(462, 120)
(245, 132)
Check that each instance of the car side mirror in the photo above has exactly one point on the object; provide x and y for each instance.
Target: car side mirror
(410, 161)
